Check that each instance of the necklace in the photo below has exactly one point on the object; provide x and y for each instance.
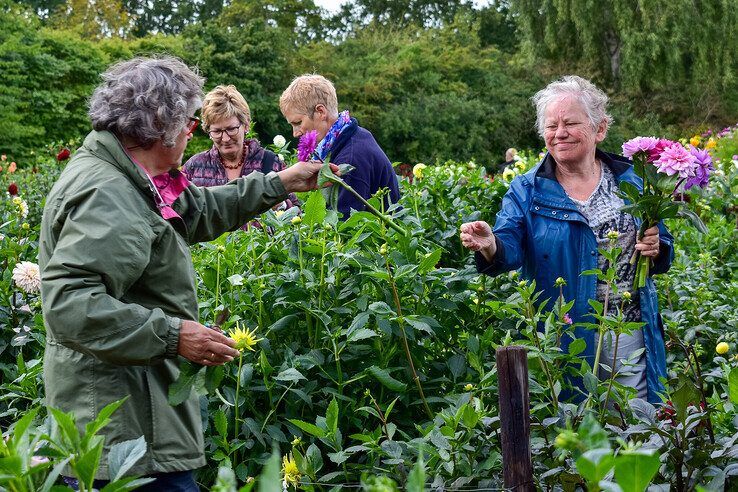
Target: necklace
(232, 166)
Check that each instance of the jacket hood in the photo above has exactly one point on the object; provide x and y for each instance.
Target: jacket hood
(105, 146)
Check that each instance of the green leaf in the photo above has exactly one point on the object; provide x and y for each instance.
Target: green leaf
(221, 423)
(686, 394)
(12, 466)
(66, 426)
(430, 261)
(387, 381)
(470, 417)
(23, 424)
(457, 365)
(416, 478)
(630, 191)
(634, 470)
(180, 390)
(733, 385)
(269, 480)
(124, 455)
(311, 429)
(577, 346)
(359, 322)
(331, 416)
(87, 464)
(290, 374)
(594, 464)
(53, 475)
(213, 377)
(419, 323)
(126, 484)
(697, 223)
(315, 209)
(361, 335)
(381, 308)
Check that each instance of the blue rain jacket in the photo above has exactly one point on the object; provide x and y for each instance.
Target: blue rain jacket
(540, 231)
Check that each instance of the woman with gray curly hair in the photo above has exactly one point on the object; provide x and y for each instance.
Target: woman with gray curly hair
(117, 280)
(555, 219)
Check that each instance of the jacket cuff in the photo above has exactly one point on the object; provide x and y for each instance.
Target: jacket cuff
(172, 338)
(274, 182)
(493, 267)
(663, 261)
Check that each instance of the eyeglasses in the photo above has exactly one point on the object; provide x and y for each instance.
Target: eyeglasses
(231, 132)
(194, 122)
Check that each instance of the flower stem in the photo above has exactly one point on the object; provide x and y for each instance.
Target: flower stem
(373, 210)
(235, 406)
(409, 356)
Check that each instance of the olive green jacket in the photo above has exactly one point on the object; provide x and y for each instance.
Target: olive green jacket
(116, 281)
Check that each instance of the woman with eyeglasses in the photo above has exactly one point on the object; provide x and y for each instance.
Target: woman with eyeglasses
(117, 281)
(226, 118)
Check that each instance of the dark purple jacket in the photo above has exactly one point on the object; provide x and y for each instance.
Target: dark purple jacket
(356, 146)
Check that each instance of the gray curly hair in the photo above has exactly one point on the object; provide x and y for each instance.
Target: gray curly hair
(589, 95)
(146, 99)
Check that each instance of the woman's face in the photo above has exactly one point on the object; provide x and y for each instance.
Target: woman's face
(568, 133)
(228, 134)
(302, 123)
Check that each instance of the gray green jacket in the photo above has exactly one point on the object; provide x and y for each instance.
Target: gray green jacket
(116, 281)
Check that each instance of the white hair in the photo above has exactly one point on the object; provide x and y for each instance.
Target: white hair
(593, 99)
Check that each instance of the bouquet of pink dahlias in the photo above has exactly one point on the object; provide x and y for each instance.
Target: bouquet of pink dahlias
(666, 168)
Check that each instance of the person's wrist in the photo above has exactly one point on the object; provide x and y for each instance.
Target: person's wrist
(489, 251)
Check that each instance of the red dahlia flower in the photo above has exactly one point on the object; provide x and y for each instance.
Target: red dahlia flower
(63, 154)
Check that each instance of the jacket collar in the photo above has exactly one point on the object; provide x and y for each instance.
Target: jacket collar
(548, 192)
(106, 146)
(345, 136)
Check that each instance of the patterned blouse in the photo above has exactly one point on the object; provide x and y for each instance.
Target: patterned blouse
(602, 210)
(206, 168)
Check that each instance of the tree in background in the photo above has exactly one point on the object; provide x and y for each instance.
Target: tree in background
(429, 94)
(657, 49)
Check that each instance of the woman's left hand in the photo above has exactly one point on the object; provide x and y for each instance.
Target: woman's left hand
(649, 243)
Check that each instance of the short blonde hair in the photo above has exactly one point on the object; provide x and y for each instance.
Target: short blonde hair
(306, 92)
(510, 153)
(224, 102)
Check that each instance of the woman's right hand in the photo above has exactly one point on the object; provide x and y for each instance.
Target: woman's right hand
(204, 345)
(478, 236)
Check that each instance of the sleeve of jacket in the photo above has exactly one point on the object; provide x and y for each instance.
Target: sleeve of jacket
(100, 250)
(662, 263)
(292, 200)
(209, 212)
(509, 230)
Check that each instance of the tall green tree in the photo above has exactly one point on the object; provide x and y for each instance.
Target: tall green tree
(638, 44)
(431, 94)
(46, 77)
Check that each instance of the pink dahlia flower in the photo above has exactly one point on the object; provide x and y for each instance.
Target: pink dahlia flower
(655, 153)
(675, 159)
(639, 145)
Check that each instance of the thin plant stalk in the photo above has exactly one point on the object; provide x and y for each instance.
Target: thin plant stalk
(235, 406)
(544, 364)
(408, 355)
(373, 210)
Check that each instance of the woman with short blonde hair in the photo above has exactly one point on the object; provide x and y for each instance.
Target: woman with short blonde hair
(226, 118)
(310, 104)
(225, 102)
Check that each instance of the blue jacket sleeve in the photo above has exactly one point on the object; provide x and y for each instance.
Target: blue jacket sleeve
(510, 230)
